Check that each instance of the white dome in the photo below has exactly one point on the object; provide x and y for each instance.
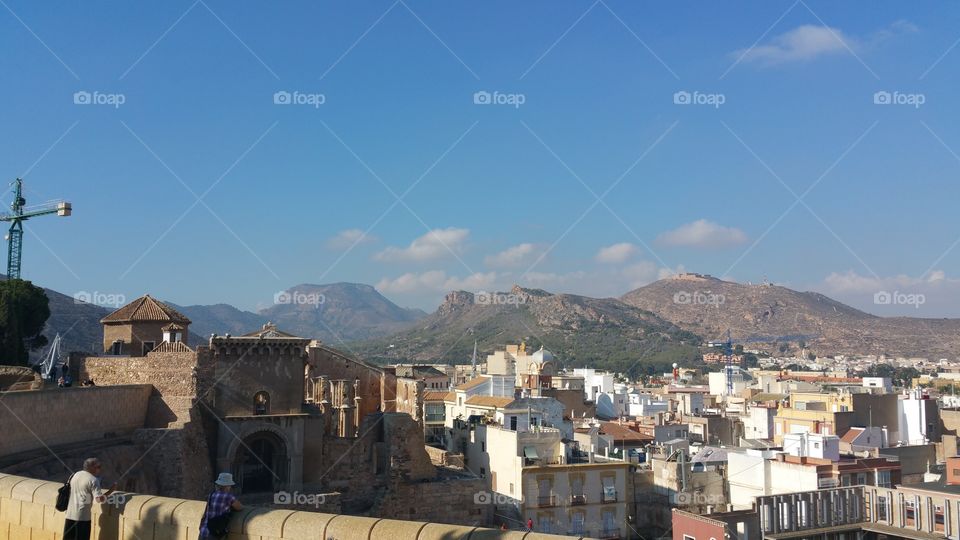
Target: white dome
(542, 355)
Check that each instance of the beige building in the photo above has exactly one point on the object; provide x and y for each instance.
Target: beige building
(587, 499)
(534, 370)
(138, 327)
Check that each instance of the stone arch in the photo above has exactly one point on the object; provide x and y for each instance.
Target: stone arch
(260, 459)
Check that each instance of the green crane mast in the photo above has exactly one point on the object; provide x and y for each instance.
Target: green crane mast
(20, 213)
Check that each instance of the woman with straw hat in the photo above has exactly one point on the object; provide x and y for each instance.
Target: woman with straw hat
(220, 503)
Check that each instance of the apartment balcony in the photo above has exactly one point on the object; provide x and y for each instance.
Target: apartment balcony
(608, 497)
(577, 500)
(430, 417)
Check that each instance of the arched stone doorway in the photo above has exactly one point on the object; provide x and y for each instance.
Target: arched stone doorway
(261, 463)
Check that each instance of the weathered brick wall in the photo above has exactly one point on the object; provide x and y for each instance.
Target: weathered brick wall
(448, 501)
(244, 369)
(56, 416)
(443, 458)
(27, 512)
(332, 364)
(174, 376)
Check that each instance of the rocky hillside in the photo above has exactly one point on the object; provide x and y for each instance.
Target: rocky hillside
(603, 333)
(767, 316)
(338, 312)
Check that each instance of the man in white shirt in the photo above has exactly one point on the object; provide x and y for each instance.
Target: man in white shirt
(84, 491)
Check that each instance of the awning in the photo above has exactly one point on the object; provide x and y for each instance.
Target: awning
(530, 452)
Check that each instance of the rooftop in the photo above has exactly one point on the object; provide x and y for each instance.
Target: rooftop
(145, 309)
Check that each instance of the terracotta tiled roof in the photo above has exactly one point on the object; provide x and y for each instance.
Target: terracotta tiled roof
(450, 396)
(146, 309)
(622, 433)
(472, 383)
(172, 346)
(435, 395)
(852, 434)
(489, 401)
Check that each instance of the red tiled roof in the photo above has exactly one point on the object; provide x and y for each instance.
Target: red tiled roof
(472, 383)
(622, 433)
(490, 401)
(146, 309)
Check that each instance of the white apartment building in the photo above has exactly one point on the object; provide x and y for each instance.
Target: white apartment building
(594, 382)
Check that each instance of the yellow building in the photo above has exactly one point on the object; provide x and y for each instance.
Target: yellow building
(587, 499)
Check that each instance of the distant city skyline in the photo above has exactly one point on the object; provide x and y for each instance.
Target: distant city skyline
(221, 153)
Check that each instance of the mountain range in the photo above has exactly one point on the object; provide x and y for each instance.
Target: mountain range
(654, 325)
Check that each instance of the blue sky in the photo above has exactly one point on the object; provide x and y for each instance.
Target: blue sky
(585, 107)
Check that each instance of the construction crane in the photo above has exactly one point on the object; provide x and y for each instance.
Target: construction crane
(728, 368)
(20, 213)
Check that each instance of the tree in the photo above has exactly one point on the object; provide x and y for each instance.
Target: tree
(24, 310)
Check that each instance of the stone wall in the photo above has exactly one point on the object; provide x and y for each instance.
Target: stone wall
(27, 513)
(175, 377)
(447, 501)
(58, 416)
(375, 392)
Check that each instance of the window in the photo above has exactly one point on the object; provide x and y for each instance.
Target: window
(483, 446)
(881, 508)
(117, 347)
(148, 346)
(511, 488)
(688, 537)
(909, 512)
(261, 403)
(861, 479)
(483, 472)
(576, 524)
(938, 520)
(883, 479)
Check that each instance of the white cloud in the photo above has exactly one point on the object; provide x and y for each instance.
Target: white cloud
(800, 44)
(890, 295)
(435, 244)
(436, 281)
(514, 257)
(347, 238)
(808, 42)
(617, 253)
(703, 234)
